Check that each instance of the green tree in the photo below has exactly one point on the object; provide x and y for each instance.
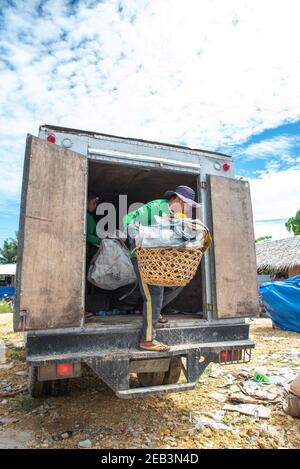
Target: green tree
(293, 224)
(8, 254)
(262, 238)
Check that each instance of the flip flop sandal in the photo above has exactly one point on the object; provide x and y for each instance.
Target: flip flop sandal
(162, 319)
(156, 347)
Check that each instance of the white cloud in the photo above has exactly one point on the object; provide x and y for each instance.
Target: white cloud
(276, 195)
(209, 73)
(281, 147)
(276, 229)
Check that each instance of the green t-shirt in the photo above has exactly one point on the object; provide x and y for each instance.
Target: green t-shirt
(145, 214)
(92, 239)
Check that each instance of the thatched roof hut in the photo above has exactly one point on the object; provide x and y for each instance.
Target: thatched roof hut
(282, 255)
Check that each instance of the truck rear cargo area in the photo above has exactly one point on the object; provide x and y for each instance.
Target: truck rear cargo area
(109, 182)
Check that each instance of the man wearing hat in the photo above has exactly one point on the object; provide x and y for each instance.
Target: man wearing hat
(156, 297)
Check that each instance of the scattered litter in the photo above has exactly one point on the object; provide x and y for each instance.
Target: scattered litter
(216, 373)
(218, 396)
(253, 394)
(242, 374)
(257, 411)
(6, 366)
(274, 357)
(267, 339)
(241, 397)
(294, 354)
(270, 430)
(122, 429)
(7, 421)
(10, 393)
(85, 444)
(211, 423)
(278, 380)
(260, 378)
(229, 379)
(66, 435)
(217, 415)
(21, 373)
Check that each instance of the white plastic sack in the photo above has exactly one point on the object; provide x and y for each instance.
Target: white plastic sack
(177, 233)
(111, 266)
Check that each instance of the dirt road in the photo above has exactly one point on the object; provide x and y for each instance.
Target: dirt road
(92, 414)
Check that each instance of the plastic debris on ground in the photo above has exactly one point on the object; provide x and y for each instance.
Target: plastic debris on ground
(6, 366)
(252, 394)
(256, 411)
(211, 423)
(218, 396)
(260, 378)
(272, 431)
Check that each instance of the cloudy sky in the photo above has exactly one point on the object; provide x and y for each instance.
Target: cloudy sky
(213, 74)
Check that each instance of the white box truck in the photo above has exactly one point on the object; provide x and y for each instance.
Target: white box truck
(60, 166)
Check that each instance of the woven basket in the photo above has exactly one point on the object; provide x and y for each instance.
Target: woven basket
(168, 267)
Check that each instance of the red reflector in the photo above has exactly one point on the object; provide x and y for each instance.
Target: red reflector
(226, 166)
(223, 356)
(64, 369)
(51, 138)
(229, 355)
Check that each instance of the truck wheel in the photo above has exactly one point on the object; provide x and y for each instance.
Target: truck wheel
(59, 387)
(36, 388)
(151, 379)
(173, 374)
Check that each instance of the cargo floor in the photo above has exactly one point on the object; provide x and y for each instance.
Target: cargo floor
(130, 319)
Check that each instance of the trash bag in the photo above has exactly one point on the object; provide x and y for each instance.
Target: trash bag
(177, 233)
(281, 301)
(111, 267)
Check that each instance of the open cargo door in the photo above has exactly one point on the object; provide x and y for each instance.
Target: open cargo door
(50, 270)
(234, 258)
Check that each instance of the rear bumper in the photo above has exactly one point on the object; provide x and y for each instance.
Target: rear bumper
(45, 346)
(111, 353)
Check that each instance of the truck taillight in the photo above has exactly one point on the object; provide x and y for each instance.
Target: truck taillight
(59, 371)
(51, 138)
(226, 166)
(64, 369)
(230, 355)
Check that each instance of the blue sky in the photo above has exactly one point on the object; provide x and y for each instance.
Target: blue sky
(204, 73)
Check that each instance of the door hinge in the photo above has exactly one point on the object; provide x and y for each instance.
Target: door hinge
(203, 185)
(209, 307)
(23, 318)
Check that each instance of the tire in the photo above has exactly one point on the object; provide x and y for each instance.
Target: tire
(59, 387)
(173, 374)
(155, 378)
(36, 388)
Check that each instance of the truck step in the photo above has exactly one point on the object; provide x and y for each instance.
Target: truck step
(146, 391)
(131, 353)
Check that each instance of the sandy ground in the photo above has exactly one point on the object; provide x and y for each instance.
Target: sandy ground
(92, 412)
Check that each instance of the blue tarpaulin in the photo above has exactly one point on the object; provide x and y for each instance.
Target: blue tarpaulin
(282, 302)
(10, 291)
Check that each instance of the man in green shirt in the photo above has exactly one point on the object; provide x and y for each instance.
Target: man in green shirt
(92, 239)
(156, 297)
